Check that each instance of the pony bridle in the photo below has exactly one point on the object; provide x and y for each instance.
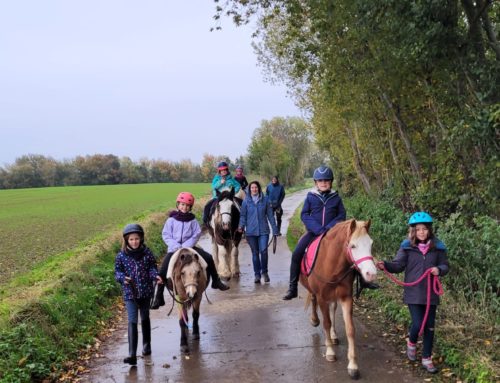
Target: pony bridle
(357, 262)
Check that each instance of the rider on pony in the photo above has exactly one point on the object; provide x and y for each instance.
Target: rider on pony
(221, 181)
(240, 177)
(322, 210)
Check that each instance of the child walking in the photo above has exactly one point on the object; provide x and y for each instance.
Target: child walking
(183, 230)
(135, 270)
(420, 252)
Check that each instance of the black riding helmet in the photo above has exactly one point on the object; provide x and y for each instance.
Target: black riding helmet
(133, 228)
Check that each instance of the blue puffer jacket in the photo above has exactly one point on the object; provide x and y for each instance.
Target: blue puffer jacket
(410, 259)
(276, 194)
(230, 182)
(321, 212)
(143, 271)
(254, 217)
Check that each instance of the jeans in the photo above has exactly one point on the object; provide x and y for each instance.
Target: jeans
(417, 313)
(258, 244)
(133, 308)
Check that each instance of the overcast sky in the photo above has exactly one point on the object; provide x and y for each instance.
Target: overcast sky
(130, 78)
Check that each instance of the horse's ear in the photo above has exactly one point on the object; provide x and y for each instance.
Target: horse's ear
(218, 193)
(367, 225)
(232, 193)
(352, 226)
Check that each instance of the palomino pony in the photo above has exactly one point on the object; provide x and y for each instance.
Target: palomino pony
(225, 235)
(189, 281)
(343, 249)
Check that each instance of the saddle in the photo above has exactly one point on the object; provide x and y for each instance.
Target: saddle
(309, 259)
(173, 261)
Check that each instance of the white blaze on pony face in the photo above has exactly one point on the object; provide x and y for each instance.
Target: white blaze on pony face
(189, 276)
(225, 210)
(361, 247)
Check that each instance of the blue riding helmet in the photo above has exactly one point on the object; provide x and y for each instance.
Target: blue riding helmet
(419, 217)
(323, 173)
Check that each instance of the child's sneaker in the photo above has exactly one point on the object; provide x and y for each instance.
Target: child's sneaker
(428, 365)
(411, 351)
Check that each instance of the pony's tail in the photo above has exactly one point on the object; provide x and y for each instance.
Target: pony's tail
(308, 301)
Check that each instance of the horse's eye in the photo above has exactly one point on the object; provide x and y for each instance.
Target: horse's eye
(182, 273)
(353, 246)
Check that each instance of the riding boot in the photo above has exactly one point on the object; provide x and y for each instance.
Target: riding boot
(146, 336)
(132, 344)
(158, 299)
(216, 282)
(294, 281)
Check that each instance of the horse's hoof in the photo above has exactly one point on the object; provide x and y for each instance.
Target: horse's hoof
(335, 341)
(315, 323)
(331, 358)
(185, 350)
(354, 374)
(196, 336)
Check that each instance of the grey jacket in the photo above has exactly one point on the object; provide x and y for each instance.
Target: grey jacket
(411, 260)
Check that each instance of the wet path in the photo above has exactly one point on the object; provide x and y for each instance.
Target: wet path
(249, 334)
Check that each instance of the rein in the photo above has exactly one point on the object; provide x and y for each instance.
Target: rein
(436, 286)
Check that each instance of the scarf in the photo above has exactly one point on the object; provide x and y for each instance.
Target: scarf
(135, 253)
(181, 217)
(424, 247)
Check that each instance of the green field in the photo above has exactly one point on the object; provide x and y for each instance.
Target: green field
(38, 223)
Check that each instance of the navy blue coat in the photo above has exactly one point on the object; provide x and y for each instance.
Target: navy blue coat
(411, 260)
(276, 194)
(254, 217)
(142, 270)
(322, 212)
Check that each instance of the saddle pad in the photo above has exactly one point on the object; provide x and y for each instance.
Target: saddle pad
(310, 256)
(175, 255)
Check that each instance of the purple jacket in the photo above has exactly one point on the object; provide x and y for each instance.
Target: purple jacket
(177, 234)
(414, 263)
(321, 212)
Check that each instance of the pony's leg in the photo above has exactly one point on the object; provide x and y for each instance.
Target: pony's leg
(215, 254)
(314, 310)
(184, 332)
(223, 265)
(333, 333)
(235, 264)
(327, 324)
(352, 367)
(196, 327)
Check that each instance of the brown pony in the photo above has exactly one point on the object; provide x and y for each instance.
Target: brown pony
(189, 281)
(346, 247)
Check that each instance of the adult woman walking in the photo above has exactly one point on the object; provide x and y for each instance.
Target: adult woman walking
(256, 215)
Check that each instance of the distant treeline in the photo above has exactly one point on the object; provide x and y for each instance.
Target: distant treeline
(34, 170)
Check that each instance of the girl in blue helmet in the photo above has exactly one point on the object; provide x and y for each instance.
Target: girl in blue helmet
(421, 251)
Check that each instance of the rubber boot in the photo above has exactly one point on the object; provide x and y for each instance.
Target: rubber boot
(146, 336)
(132, 344)
(158, 299)
(294, 281)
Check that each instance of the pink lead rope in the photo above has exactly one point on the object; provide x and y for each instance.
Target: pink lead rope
(436, 285)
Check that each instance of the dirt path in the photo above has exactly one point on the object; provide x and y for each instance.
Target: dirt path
(249, 334)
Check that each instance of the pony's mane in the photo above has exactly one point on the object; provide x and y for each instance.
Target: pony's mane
(345, 227)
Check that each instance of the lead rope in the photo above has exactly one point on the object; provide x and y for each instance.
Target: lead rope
(436, 286)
